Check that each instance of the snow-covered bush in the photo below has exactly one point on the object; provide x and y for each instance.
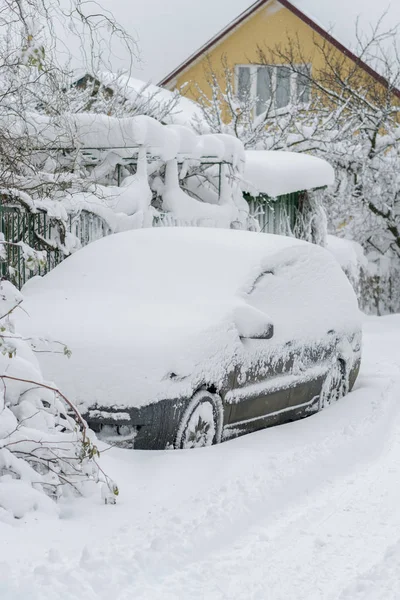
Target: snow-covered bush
(46, 451)
(379, 285)
(36, 108)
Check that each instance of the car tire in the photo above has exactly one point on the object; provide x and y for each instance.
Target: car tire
(336, 384)
(201, 423)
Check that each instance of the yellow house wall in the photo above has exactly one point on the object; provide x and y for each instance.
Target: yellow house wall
(270, 26)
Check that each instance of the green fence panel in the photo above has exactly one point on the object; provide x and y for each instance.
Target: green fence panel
(275, 215)
(38, 231)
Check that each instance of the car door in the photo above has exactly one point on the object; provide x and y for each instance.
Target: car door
(315, 361)
(277, 388)
(275, 380)
(261, 387)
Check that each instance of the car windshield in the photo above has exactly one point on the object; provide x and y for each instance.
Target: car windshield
(169, 265)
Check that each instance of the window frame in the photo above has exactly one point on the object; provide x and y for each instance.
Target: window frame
(253, 68)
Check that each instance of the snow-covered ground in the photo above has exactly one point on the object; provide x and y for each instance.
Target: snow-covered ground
(304, 511)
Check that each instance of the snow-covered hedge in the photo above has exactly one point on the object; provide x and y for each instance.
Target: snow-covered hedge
(374, 277)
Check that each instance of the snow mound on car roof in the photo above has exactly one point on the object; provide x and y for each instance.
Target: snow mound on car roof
(171, 261)
(139, 305)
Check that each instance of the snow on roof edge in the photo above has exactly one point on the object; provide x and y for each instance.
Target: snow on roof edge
(276, 173)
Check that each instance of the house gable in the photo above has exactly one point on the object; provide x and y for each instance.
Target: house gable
(267, 23)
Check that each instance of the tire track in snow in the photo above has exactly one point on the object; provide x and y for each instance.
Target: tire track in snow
(308, 524)
(375, 427)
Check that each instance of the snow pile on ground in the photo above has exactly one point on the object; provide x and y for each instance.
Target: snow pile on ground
(307, 510)
(370, 274)
(349, 254)
(167, 305)
(276, 173)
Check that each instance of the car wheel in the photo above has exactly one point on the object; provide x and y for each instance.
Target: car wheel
(335, 385)
(201, 424)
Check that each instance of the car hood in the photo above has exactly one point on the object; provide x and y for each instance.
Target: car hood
(130, 355)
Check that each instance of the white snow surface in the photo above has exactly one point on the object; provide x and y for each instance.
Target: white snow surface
(92, 130)
(135, 306)
(189, 209)
(277, 172)
(99, 131)
(183, 112)
(307, 510)
(348, 253)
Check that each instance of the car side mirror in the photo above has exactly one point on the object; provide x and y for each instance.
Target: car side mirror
(266, 334)
(252, 323)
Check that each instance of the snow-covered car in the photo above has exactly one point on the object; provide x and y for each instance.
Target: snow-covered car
(185, 337)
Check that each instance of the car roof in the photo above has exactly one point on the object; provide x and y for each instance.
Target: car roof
(206, 271)
(169, 261)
